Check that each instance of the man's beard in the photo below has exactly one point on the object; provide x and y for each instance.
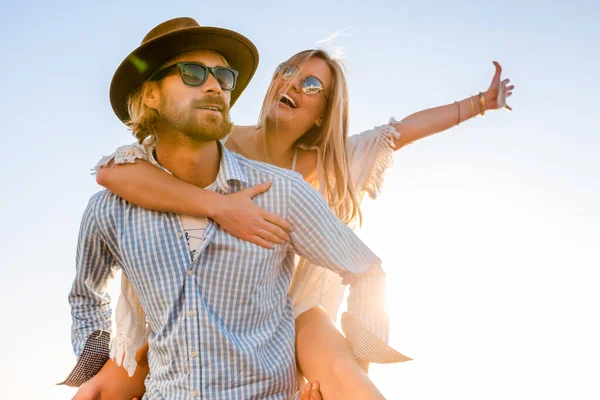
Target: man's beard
(208, 127)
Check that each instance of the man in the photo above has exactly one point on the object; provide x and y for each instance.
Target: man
(222, 324)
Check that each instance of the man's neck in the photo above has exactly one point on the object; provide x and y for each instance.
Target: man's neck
(192, 161)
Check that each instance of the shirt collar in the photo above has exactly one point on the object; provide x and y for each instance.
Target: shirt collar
(229, 170)
(229, 167)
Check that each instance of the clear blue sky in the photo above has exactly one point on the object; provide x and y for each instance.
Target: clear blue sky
(489, 231)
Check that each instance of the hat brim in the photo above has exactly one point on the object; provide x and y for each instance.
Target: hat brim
(240, 53)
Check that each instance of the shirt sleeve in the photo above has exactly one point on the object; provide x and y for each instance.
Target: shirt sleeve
(322, 238)
(90, 303)
(325, 240)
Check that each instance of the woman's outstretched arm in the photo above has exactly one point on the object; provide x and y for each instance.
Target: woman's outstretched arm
(434, 120)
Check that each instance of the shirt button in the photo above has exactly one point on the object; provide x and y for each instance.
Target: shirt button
(192, 314)
(179, 234)
(190, 273)
(194, 354)
(195, 393)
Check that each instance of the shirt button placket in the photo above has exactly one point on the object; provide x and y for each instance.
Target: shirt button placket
(193, 355)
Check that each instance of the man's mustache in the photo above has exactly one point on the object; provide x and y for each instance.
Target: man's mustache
(214, 100)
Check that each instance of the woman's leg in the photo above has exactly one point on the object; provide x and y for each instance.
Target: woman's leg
(113, 382)
(324, 356)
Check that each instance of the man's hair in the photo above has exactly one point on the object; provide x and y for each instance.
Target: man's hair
(143, 120)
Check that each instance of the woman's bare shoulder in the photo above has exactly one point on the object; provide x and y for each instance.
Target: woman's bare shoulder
(241, 138)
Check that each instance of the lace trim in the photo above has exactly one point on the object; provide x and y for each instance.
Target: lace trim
(123, 155)
(123, 351)
(132, 329)
(383, 159)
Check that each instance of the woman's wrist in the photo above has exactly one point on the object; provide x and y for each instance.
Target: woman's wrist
(214, 205)
(488, 100)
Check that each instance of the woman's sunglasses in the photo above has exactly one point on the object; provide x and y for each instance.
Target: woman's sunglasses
(194, 74)
(310, 85)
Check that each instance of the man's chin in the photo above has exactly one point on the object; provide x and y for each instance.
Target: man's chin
(210, 131)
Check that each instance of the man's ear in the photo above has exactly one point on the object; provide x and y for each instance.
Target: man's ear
(151, 94)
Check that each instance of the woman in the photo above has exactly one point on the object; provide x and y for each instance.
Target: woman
(302, 126)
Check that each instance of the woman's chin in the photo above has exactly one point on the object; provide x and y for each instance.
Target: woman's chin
(284, 113)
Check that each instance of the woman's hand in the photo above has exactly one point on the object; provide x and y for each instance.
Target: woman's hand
(310, 391)
(241, 217)
(499, 91)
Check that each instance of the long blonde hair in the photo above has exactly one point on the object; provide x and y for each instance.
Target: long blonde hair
(331, 137)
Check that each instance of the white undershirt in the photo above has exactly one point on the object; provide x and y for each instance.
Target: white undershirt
(194, 229)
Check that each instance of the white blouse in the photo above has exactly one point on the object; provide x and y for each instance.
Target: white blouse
(370, 153)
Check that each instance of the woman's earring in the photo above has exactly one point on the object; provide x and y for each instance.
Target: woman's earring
(319, 122)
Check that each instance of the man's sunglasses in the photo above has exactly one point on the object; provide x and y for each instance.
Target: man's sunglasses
(194, 74)
(310, 85)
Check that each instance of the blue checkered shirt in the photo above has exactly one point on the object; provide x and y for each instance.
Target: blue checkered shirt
(223, 325)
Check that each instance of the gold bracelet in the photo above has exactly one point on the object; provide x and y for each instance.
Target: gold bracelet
(458, 105)
(481, 104)
(473, 113)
